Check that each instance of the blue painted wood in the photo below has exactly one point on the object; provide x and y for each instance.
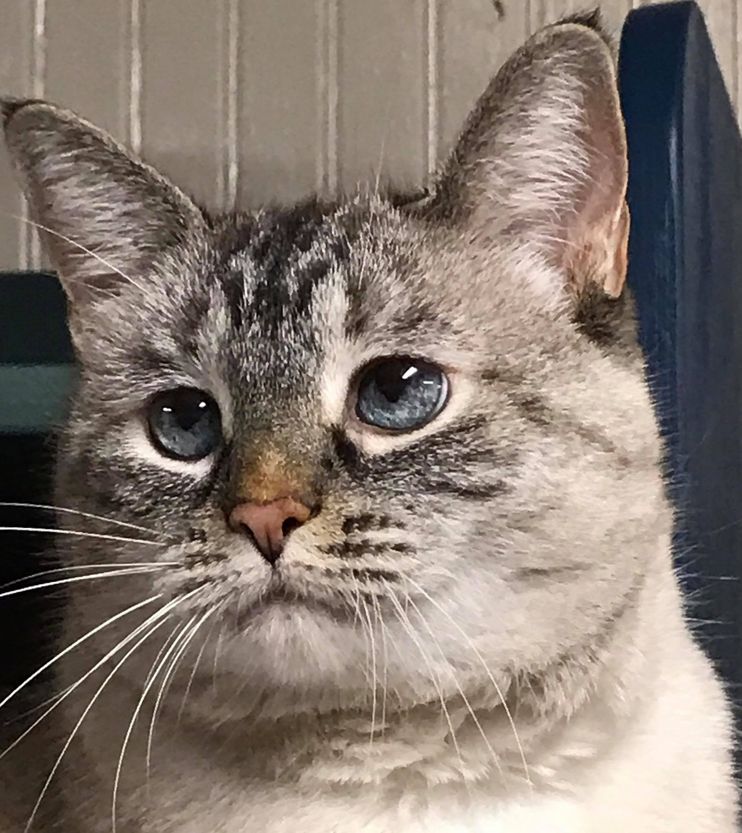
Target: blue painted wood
(685, 270)
(32, 320)
(34, 346)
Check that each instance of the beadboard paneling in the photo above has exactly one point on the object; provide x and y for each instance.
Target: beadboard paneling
(721, 18)
(85, 65)
(382, 104)
(86, 60)
(246, 101)
(15, 78)
(177, 73)
(474, 42)
(280, 121)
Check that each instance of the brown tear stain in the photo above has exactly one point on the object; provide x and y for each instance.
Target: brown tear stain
(271, 475)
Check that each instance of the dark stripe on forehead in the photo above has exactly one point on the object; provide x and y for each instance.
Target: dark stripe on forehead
(280, 236)
(420, 316)
(383, 254)
(290, 252)
(450, 487)
(551, 573)
(240, 233)
(286, 273)
(233, 287)
(194, 315)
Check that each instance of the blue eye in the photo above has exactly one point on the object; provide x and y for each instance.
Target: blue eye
(400, 394)
(184, 423)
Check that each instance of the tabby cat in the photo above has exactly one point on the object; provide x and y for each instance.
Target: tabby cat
(375, 491)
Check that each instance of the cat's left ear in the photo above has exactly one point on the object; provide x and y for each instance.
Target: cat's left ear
(105, 215)
(542, 159)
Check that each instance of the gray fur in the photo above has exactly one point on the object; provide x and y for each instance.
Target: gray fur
(511, 560)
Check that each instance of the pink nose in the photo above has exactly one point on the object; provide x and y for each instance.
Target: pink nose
(269, 524)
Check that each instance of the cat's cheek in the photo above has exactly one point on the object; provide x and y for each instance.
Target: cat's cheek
(372, 441)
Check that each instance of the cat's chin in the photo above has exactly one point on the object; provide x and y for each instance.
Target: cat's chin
(299, 643)
(282, 608)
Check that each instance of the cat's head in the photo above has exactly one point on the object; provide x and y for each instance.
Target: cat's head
(377, 434)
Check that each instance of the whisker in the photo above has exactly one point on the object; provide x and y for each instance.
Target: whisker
(171, 639)
(463, 696)
(487, 671)
(88, 567)
(151, 678)
(217, 651)
(385, 680)
(184, 648)
(163, 611)
(193, 673)
(137, 710)
(356, 602)
(382, 151)
(400, 656)
(18, 718)
(180, 645)
(181, 631)
(407, 627)
(374, 679)
(163, 615)
(82, 717)
(58, 582)
(78, 533)
(162, 650)
(89, 635)
(358, 617)
(66, 511)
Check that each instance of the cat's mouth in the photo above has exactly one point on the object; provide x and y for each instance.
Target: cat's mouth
(280, 595)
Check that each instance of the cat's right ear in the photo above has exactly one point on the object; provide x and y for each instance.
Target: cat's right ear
(542, 161)
(104, 214)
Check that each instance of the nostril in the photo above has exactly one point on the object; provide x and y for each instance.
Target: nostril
(268, 524)
(289, 525)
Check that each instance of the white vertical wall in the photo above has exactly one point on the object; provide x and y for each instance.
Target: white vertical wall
(248, 101)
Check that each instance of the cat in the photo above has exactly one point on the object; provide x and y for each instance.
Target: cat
(379, 484)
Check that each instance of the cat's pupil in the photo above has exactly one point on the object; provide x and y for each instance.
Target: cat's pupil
(185, 417)
(184, 423)
(400, 394)
(392, 379)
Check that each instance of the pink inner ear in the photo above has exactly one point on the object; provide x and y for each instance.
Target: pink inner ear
(597, 235)
(542, 160)
(617, 274)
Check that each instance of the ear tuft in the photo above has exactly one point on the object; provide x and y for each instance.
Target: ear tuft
(10, 106)
(590, 19)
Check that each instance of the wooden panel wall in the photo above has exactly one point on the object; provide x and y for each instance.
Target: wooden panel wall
(248, 101)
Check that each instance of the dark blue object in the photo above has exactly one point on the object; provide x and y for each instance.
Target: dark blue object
(685, 269)
(35, 372)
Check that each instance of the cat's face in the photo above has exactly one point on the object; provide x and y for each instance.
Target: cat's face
(368, 436)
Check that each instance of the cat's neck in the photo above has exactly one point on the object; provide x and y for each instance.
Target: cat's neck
(557, 718)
